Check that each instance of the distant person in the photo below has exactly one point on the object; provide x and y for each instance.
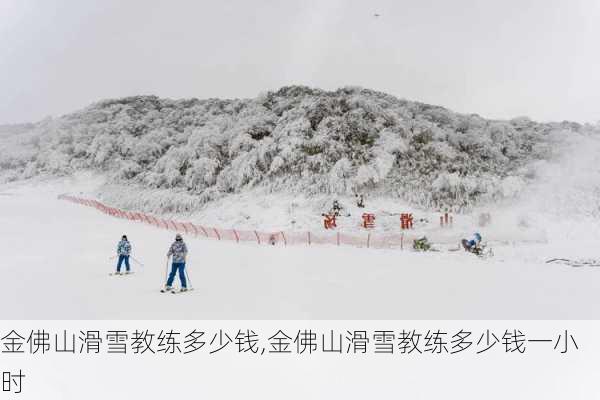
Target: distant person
(123, 252)
(473, 245)
(336, 208)
(179, 252)
(360, 201)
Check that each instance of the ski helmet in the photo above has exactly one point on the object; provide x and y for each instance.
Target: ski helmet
(478, 236)
(178, 237)
(124, 237)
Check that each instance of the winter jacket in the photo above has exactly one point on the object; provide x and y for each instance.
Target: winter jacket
(179, 251)
(124, 248)
(473, 242)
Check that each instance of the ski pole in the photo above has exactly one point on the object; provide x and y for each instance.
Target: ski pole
(187, 276)
(167, 271)
(135, 260)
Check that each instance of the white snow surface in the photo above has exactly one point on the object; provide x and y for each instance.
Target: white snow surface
(55, 259)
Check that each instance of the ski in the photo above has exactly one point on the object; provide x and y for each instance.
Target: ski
(574, 263)
(173, 291)
(182, 291)
(121, 274)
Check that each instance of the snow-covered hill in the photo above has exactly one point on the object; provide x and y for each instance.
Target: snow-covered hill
(182, 154)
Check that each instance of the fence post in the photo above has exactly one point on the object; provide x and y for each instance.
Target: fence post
(284, 240)
(402, 241)
(237, 238)
(204, 230)
(257, 237)
(368, 240)
(338, 238)
(217, 232)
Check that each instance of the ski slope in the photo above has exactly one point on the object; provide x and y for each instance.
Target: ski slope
(55, 260)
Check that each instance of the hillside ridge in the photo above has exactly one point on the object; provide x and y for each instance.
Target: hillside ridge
(296, 140)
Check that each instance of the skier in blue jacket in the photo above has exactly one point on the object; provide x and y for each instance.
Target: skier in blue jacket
(123, 253)
(178, 251)
(472, 245)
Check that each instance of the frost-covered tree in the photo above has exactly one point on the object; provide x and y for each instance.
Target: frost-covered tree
(296, 139)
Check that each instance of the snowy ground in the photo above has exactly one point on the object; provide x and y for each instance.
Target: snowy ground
(55, 260)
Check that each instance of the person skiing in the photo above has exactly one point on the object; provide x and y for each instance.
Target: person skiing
(179, 251)
(473, 245)
(123, 252)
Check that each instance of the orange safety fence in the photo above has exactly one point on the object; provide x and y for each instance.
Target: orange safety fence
(285, 238)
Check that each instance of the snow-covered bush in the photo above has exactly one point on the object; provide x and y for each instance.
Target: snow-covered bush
(296, 139)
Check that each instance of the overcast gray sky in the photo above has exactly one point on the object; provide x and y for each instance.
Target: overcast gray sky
(499, 59)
